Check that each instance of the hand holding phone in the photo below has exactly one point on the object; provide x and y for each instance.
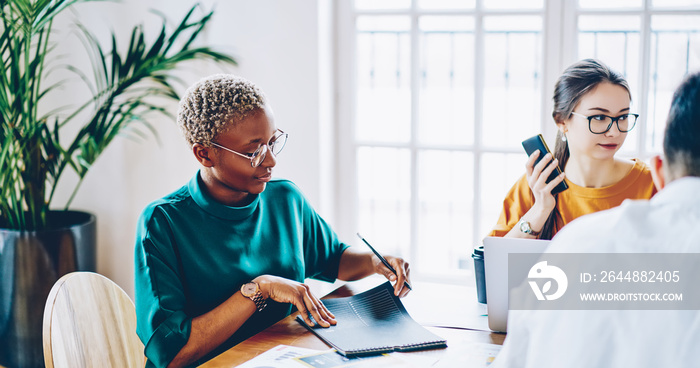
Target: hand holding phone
(537, 143)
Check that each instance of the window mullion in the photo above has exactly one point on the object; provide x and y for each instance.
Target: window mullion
(557, 44)
(569, 29)
(645, 62)
(479, 71)
(415, 114)
(347, 172)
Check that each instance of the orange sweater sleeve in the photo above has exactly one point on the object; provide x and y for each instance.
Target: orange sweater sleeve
(576, 201)
(518, 201)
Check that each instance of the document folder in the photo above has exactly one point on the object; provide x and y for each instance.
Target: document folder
(373, 322)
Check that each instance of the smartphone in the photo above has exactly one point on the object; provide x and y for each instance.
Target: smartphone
(537, 143)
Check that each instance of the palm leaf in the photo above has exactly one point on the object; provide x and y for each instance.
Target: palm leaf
(127, 88)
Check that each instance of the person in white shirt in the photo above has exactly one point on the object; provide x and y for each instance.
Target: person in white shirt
(668, 223)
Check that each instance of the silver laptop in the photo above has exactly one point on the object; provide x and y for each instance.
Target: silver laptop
(496, 250)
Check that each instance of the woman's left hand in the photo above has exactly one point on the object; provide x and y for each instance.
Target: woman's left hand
(402, 273)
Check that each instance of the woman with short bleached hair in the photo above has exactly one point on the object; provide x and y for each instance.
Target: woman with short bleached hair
(226, 255)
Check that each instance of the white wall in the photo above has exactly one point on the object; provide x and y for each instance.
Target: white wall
(280, 47)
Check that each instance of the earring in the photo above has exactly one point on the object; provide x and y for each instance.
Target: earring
(563, 137)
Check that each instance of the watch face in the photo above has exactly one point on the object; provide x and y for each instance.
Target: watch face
(249, 289)
(524, 227)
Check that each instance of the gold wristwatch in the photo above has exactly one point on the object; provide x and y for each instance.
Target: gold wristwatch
(251, 290)
(524, 226)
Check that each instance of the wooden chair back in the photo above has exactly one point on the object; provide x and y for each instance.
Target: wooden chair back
(89, 321)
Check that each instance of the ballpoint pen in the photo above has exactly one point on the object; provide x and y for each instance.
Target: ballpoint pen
(384, 261)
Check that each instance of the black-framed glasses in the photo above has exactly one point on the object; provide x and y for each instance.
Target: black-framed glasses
(600, 124)
(256, 158)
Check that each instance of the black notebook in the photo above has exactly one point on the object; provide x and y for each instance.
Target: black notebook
(373, 322)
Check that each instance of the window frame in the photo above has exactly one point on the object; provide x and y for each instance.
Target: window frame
(559, 49)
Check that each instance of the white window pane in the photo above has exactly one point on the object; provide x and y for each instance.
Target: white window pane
(615, 40)
(513, 23)
(675, 51)
(693, 4)
(446, 23)
(513, 4)
(383, 79)
(617, 47)
(445, 215)
(382, 4)
(446, 97)
(447, 4)
(383, 23)
(607, 4)
(384, 194)
(675, 23)
(499, 171)
(512, 79)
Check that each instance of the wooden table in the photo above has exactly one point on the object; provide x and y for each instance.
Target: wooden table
(290, 332)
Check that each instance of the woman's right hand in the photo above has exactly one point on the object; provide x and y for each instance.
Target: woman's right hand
(537, 180)
(284, 290)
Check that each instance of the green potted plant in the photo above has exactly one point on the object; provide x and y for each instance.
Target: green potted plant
(39, 145)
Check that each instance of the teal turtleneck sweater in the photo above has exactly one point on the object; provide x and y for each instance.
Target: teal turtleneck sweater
(192, 253)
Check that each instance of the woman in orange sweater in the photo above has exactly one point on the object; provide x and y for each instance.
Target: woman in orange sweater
(592, 113)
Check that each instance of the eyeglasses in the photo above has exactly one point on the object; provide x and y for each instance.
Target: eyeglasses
(256, 158)
(600, 124)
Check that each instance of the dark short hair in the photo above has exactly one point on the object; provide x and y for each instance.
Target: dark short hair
(682, 137)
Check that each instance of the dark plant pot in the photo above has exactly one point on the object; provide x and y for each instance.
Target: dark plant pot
(30, 263)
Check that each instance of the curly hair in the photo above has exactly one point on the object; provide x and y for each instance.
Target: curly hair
(216, 103)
